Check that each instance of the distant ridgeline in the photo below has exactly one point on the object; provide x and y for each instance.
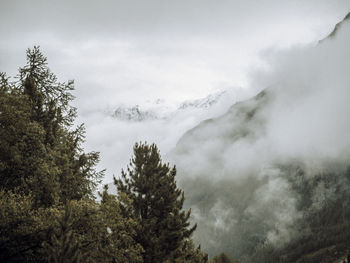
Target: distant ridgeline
(161, 112)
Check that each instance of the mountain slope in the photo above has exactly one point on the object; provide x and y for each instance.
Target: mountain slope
(241, 120)
(268, 181)
(337, 27)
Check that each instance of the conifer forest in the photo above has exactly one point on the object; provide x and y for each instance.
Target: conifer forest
(174, 131)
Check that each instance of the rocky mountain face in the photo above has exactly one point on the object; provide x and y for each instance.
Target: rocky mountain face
(133, 114)
(159, 111)
(269, 180)
(204, 103)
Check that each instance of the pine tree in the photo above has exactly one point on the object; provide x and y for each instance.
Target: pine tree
(119, 242)
(64, 247)
(42, 164)
(23, 228)
(189, 254)
(156, 204)
(41, 150)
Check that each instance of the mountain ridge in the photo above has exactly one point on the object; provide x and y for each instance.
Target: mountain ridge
(336, 28)
(159, 111)
(253, 191)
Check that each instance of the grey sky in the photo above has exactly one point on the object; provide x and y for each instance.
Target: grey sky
(174, 49)
(154, 17)
(135, 51)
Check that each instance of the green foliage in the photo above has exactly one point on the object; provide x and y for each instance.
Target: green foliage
(189, 254)
(42, 164)
(63, 246)
(86, 231)
(23, 228)
(48, 212)
(222, 258)
(156, 204)
(121, 227)
(40, 151)
(22, 151)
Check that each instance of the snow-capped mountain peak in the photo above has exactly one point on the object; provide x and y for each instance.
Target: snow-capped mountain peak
(205, 103)
(133, 114)
(158, 109)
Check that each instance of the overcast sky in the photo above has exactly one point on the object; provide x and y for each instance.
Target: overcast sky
(135, 50)
(132, 51)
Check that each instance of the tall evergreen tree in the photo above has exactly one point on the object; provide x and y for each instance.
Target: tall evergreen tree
(41, 150)
(157, 205)
(42, 164)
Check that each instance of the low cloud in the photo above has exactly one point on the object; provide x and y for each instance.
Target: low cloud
(247, 162)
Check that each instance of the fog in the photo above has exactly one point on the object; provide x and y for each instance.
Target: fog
(116, 142)
(238, 170)
(131, 52)
(236, 167)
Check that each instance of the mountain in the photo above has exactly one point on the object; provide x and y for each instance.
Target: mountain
(160, 111)
(205, 103)
(219, 203)
(239, 121)
(269, 180)
(337, 27)
(133, 114)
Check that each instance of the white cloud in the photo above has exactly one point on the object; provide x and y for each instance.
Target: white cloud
(133, 51)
